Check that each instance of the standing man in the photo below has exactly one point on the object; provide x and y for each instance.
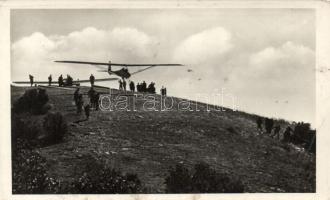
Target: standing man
(76, 96)
(50, 80)
(31, 79)
(80, 103)
(87, 111)
(60, 81)
(91, 94)
(92, 79)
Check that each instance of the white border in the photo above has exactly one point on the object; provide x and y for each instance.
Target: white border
(322, 9)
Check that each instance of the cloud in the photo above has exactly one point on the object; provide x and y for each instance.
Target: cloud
(203, 47)
(38, 51)
(283, 73)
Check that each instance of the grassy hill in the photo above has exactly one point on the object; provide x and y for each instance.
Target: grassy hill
(149, 142)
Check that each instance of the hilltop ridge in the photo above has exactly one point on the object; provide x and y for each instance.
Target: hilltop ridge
(148, 142)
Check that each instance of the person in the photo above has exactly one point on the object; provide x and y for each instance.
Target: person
(76, 95)
(91, 93)
(124, 85)
(87, 110)
(287, 134)
(50, 80)
(138, 87)
(165, 92)
(60, 81)
(96, 100)
(277, 130)
(69, 80)
(120, 85)
(151, 88)
(31, 79)
(132, 86)
(80, 103)
(259, 123)
(162, 91)
(92, 79)
(144, 87)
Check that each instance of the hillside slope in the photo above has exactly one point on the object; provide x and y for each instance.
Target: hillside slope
(149, 142)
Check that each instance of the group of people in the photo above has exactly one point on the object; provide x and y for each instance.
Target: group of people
(61, 81)
(93, 101)
(274, 131)
(140, 87)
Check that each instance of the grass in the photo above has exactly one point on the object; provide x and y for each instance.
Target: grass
(149, 143)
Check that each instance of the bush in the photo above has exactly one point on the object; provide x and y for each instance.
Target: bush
(202, 179)
(97, 178)
(55, 127)
(29, 173)
(33, 101)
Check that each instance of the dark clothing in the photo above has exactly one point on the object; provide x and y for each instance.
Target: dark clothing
(31, 79)
(132, 86)
(91, 94)
(60, 81)
(50, 80)
(144, 87)
(96, 100)
(287, 135)
(76, 96)
(87, 111)
(80, 103)
(92, 79)
(259, 123)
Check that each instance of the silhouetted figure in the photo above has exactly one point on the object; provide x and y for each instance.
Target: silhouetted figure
(31, 79)
(80, 103)
(138, 87)
(50, 80)
(165, 92)
(124, 84)
(87, 110)
(92, 80)
(91, 94)
(277, 130)
(96, 100)
(60, 81)
(76, 96)
(151, 88)
(259, 123)
(120, 85)
(69, 80)
(287, 134)
(144, 87)
(132, 86)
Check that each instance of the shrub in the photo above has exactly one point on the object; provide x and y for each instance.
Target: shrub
(202, 179)
(33, 101)
(55, 127)
(97, 178)
(29, 173)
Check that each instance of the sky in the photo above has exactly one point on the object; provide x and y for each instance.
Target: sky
(264, 59)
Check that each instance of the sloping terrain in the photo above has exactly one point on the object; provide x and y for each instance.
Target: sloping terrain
(149, 142)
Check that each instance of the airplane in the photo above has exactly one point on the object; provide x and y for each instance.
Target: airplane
(123, 72)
